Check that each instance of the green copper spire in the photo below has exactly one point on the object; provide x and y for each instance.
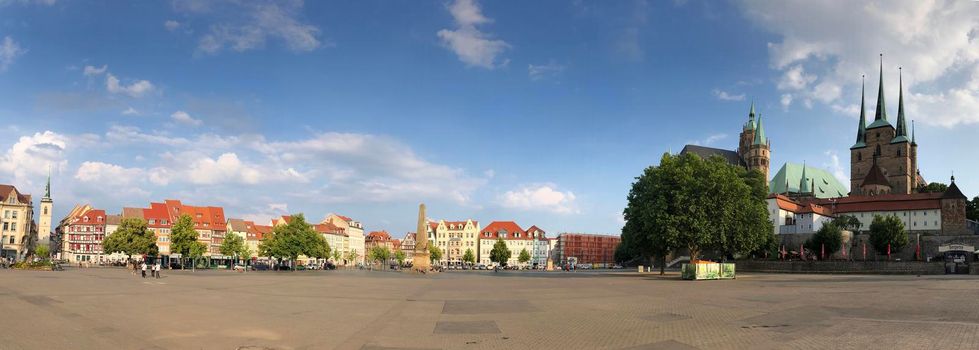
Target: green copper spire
(803, 185)
(862, 128)
(751, 117)
(913, 143)
(901, 135)
(47, 188)
(760, 133)
(880, 116)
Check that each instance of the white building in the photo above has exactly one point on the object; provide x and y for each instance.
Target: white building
(354, 231)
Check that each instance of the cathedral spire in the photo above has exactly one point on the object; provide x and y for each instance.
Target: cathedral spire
(760, 133)
(913, 143)
(862, 127)
(47, 188)
(751, 117)
(880, 116)
(803, 185)
(901, 135)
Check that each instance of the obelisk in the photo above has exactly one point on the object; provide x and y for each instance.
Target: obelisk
(422, 260)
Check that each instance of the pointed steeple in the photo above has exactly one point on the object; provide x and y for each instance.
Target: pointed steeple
(760, 133)
(47, 188)
(862, 127)
(901, 135)
(913, 143)
(880, 116)
(751, 117)
(803, 184)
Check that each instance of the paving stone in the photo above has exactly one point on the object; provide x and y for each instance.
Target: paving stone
(466, 327)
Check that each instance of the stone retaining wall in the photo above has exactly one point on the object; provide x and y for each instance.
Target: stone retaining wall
(844, 267)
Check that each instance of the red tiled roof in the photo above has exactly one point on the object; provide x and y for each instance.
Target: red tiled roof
(533, 228)
(92, 216)
(329, 228)
(263, 230)
(344, 218)
(378, 236)
(494, 228)
(5, 191)
(887, 202)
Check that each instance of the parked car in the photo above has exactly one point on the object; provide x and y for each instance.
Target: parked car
(329, 266)
(175, 266)
(482, 267)
(616, 266)
(260, 267)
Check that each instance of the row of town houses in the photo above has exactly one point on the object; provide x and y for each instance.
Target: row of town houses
(84, 228)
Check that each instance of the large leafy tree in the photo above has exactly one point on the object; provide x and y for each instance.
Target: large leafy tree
(380, 254)
(500, 254)
(972, 209)
(524, 256)
(829, 237)
(847, 222)
(352, 256)
(234, 245)
(183, 239)
(293, 239)
(336, 255)
(131, 238)
(434, 253)
(697, 204)
(934, 187)
(887, 230)
(400, 256)
(469, 256)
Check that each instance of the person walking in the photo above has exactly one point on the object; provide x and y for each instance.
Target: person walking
(135, 267)
(143, 269)
(156, 269)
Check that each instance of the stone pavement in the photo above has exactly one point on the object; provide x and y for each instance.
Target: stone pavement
(106, 308)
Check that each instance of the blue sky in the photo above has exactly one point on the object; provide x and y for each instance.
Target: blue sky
(541, 112)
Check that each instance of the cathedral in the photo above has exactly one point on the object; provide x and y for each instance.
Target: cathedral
(884, 159)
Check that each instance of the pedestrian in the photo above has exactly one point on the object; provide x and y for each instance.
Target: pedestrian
(135, 267)
(157, 268)
(143, 269)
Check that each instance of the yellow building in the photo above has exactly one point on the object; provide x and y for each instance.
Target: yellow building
(355, 234)
(454, 238)
(17, 221)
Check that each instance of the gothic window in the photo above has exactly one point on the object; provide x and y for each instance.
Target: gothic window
(859, 156)
(877, 153)
(898, 152)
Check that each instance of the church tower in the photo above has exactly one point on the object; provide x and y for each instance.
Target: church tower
(884, 147)
(747, 134)
(44, 222)
(759, 152)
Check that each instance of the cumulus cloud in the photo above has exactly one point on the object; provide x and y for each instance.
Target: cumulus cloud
(130, 111)
(10, 50)
(538, 72)
(836, 167)
(171, 25)
(31, 156)
(935, 42)
(255, 23)
(472, 46)
(184, 118)
(93, 70)
(136, 89)
(709, 140)
(125, 135)
(543, 197)
(726, 96)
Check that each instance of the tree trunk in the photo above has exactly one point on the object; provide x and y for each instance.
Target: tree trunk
(694, 253)
(662, 265)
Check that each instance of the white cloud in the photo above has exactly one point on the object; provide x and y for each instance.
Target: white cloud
(130, 111)
(725, 96)
(786, 100)
(543, 197)
(136, 89)
(171, 25)
(836, 167)
(119, 134)
(935, 42)
(31, 156)
(184, 118)
(256, 23)
(710, 140)
(93, 71)
(10, 50)
(473, 47)
(551, 69)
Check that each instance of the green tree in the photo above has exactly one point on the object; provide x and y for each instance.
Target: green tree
(524, 256)
(183, 240)
(337, 255)
(380, 254)
(352, 257)
(887, 230)
(42, 251)
(701, 205)
(434, 253)
(500, 253)
(131, 238)
(829, 237)
(934, 187)
(400, 256)
(972, 209)
(293, 239)
(469, 256)
(847, 222)
(233, 245)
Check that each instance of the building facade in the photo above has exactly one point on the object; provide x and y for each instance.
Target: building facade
(454, 238)
(586, 249)
(515, 238)
(17, 221)
(84, 234)
(540, 247)
(355, 234)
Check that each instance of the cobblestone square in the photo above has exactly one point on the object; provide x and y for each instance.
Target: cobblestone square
(105, 308)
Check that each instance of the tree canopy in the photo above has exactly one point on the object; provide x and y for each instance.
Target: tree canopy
(469, 256)
(434, 253)
(524, 256)
(829, 237)
(701, 205)
(400, 256)
(132, 238)
(183, 238)
(972, 209)
(887, 229)
(500, 253)
(934, 187)
(847, 222)
(295, 238)
(234, 245)
(380, 254)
